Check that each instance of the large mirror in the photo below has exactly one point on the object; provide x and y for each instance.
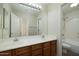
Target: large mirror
(22, 19)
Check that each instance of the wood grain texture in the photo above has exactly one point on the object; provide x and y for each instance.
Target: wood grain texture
(41, 49)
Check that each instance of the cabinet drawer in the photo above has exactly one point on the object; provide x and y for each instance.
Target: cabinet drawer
(46, 51)
(6, 53)
(37, 52)
(22, 50)
(37, 46)
(46, 44)
(54, 42)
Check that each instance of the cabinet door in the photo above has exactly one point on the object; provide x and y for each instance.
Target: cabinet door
(24, 51)
(37, 52)
(47, 44)
(37, 46)
(53, 50)
(46, 51)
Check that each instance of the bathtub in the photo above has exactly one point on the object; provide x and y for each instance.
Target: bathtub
(71, 44)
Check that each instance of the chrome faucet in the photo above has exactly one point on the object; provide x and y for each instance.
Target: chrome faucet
(43, 36)
(16, 39)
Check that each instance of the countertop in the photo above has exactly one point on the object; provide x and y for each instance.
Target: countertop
(24, 41)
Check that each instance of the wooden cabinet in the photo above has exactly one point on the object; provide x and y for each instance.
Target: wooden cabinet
(6, 53)
(36, 46)
(46, 44)
(53, 48)
(46, 49)
(41, 49)
(37, 50)
(24, 51)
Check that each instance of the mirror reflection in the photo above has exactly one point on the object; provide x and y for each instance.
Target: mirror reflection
(22, 20)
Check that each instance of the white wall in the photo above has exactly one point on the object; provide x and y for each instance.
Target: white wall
(53, 19)
(72, 25)
(54, 23)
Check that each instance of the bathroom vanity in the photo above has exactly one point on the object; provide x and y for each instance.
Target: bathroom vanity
(44, 47)
(23, 34)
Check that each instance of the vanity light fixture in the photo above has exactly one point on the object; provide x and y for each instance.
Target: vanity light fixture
(32, 5)
(74, 4)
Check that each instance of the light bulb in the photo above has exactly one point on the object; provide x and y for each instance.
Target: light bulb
(29, 3)
(74, 4)
(40, 7)
(37, 6)
(34, 5)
